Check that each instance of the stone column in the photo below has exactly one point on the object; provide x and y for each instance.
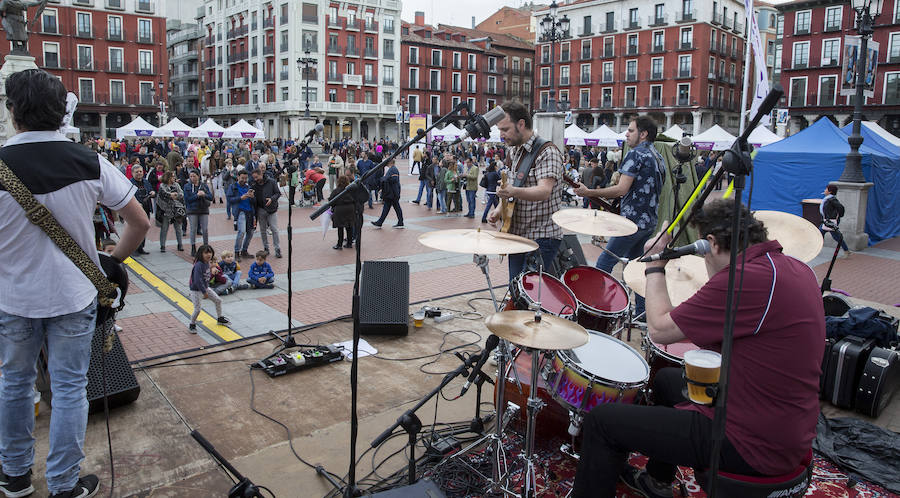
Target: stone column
(698, 121)
(356, 132)
(618, 123)
(103, 125)
(670, 115)
(854, 197)
(377, 126)
(551, 126)
(597, 120)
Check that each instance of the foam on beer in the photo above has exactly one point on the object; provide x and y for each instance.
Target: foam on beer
(703, 358)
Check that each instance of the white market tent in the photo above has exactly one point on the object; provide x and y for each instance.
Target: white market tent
(208, 129)
(174, 128)
(136, 128)
(243, 129)
(714, 138)
(446, 134)
(606, 137)
(674, 132)
(573, 135)
(761, 136)
(881, 132)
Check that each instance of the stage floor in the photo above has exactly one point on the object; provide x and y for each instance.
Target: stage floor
(210, 391)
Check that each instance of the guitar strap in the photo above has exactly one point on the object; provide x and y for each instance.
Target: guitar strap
(527, 161)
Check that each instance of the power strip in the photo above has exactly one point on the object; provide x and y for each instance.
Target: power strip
(444, 316)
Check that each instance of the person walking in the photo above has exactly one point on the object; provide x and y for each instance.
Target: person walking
(266, 193)
(491, 180)
(391, 196)
(832, 211)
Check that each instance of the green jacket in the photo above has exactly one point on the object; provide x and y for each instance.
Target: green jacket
(440, 183)
(472, 178)
(451, 178)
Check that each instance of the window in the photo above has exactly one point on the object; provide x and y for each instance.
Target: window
(145, 31)
(85, 90)
(435, 105)
(116, 60)
(798, 92)
(827, 88)
(779, 25)
(833, 18)
(801, 22)
(633, 18)
(545, 76)
(585, 53)
(310, 13)
(609, 46)
(145, 61)
(630, 96)
(607, 72)
(655, 95)
(778, 58)
(610, 22)
(332, 95)
(564, 52)
(435, 57)
(656, 68)
(471, 103)
(632, 44)
(894, 48)
(585, 74)
(470, 83)
(631, 70)
(472, 62)
(83, 26)
(545, 54)
(659, 41)
(51, 54)
(311, 94)
(434, 82)
(584, 98)
(606, 98)
(147, 93)
(586, 26)
(684, 66)
(684, 94)
(388, 22)
(413, 55)
(412, 104)
(457, 60)
(48, 23)
(85, 57)
(658, 13)
(492, 61)
(351, 96)
(687, 9)
(892, 88)
(564, 75)
(388, 74)
(801, 55)
(456, 83)
(116, 92)
(687, 37)
(831, 51)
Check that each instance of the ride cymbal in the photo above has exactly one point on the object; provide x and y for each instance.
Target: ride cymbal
(684, 277)
(799, 238)
(550, 333)
(594, 222)
(477, 241)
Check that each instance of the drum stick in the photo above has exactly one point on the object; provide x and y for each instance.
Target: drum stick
(691, 199)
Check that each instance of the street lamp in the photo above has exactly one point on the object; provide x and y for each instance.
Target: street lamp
(554, 29)
(401, 104)
(163, 115)
(304, 64)
(866, 12)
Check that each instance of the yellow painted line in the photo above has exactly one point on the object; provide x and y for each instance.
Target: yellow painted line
(208, 321)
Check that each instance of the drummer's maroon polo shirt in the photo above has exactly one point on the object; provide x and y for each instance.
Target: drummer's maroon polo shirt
(779, 339)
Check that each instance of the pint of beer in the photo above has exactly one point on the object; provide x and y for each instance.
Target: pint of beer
(701, 366)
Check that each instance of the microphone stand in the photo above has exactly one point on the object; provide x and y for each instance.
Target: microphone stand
(360, 196)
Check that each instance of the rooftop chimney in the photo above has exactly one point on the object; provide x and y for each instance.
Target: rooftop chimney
(420, 18)
(473, 22)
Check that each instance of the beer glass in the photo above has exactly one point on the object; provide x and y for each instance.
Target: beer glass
(701, 369)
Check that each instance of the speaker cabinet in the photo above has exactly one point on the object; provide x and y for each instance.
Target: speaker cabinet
(384, 298)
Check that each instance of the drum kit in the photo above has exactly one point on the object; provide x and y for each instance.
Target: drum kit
(560, 344)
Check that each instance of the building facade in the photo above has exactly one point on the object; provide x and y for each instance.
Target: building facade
(517, 22)
(183, 44)
(681, 61)
(767, 18)
(110, 53)
(250, 69)
(811, 58)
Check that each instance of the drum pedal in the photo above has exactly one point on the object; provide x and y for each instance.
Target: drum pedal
(569, 449)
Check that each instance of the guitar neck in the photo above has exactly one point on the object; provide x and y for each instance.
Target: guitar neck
(605, 204)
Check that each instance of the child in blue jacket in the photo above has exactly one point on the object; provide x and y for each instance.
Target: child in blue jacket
(261, 275)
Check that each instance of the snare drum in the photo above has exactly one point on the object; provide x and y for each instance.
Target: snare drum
(602, 300)
(605, 370)
(664, 355)
(555, 297)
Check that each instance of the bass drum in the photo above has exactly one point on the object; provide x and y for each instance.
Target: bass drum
(552, 419)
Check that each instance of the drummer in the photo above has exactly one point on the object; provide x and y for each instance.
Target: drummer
(773, 405)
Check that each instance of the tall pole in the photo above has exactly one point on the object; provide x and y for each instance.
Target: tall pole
(853, 166)
(747, 46)
(551, 103)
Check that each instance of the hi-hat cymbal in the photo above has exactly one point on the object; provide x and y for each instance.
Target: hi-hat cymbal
(477, 241)
(594, 222)
(799, 238)
(684, 277)
(551, 333)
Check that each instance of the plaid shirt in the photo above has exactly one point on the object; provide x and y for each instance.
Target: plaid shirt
(532, 219)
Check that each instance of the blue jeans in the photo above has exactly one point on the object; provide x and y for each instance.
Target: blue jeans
(470, 200)
(631, 246)
(422, 184)
(837, 238)
(492, 200)
(442, 201)
(547, 248)
(68, 340)
(235, 279)
(245, 231)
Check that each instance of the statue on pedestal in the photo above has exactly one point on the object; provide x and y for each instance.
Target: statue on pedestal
(14, 22)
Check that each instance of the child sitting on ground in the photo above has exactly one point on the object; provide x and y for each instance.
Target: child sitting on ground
(232, 271)
(200, 289)
(261, 275)
(219, 282)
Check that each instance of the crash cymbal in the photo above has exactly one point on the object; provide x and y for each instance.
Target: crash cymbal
(477, 241)
(594, 222)
(551, 333)
(799, 238)
(684, 277)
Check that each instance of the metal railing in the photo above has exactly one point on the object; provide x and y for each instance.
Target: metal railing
(686, 16)
(115, 35)
(658, 21)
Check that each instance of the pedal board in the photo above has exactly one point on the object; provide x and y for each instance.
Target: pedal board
(300, 359)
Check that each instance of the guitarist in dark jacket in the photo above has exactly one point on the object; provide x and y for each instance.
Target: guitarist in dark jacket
(537, 192)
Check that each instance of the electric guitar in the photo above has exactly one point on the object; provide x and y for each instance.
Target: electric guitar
(612, 207)
(507, 205)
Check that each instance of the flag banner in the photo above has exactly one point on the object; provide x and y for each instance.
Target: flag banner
(760, 78)
(850, 65)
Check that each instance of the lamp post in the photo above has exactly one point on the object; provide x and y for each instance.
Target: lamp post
(554, 29)
(866, 12)
(304, 64)
(401, 105)
(163, 115)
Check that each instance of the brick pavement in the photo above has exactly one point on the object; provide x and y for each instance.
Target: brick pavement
(155, 334)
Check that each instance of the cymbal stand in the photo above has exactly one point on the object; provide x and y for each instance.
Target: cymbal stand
(481, 261)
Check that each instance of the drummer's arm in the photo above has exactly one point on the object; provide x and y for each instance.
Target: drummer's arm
(614, 192)
(662, 329)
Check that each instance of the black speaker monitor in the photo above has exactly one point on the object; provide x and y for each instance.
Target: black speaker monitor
(384, 298)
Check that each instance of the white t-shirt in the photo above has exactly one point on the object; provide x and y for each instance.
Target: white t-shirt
(36, 279)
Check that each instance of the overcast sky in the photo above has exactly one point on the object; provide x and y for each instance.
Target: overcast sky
(456, 12)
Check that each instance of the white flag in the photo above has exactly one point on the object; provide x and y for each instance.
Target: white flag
(760, 78)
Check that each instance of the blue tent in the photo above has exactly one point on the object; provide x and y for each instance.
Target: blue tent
(799, 167)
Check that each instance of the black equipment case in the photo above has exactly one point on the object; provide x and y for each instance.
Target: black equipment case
(879, 381)
(845, 367)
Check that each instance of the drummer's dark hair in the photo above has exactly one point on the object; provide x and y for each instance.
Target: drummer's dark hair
(715, 219)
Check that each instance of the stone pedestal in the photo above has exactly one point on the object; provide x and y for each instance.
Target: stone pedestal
(551, 126)
(303, 127)
(854, 197)
(11, 64)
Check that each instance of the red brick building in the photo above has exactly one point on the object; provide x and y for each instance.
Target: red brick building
(681, 61)
(112, 56)
(512, 21)
(811, 57)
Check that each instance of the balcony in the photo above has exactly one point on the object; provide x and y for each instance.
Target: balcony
(209, 63)
(609, 52)
(658, 21)
(829, 27)
(683, 74)
(369, 26)
(83, 32)
(609, 27)
(655, 75)
(726, 23)
(633, 24)
(716, 18)
(629, 77)
(563, 81)
(833, 62)
(630, 102)
(585, 79)
(237, 57)
(254, 78)
(148, 69)
(269, 23)
(585, 31)
(117, 67)
(389, 28)
(239, 31)
(309, 73)
(314, 19)
(631, 50)
(686, 16)
(436, 62)
(82, 64)
(284, 47)
(254, 52)
(606, 103)
(892, 59)
(268, 77)
(333, 50)
(682, 101)
(545, 59)
(799, 65)
(370, 53)
(738, 27)
(685, 46)
(434, 86)
(585, 53)
(118, 35)
(608, 78)
(351, 51)
(389, 81)
(51, 62)
(283, 75)
(209, 40)
(268, 50)
(389, 54)
(413, 60)
(801, 30)
(370, 80)
(334, 78)
(713, 48)
(336, 22)
(144, 6)
(411, 84)
(146, 38)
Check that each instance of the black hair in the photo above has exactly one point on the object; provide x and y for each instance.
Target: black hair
(832, 189)
(516, 111)
(202, 250)
(646, 123)
(715, 219)
(37, 99)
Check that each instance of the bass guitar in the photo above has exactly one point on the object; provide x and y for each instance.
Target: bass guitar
(612, 206)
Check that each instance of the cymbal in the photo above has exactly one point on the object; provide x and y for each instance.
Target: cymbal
(684, 277)
(799, 238)
(594, 222)
(477, 241)
(551, 333)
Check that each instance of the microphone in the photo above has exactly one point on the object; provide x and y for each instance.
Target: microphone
(489, 346)
(683, 150)
(480, 126)
(699, 247)
(318, 129)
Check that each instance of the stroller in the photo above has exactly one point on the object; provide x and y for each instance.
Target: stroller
(307, 193)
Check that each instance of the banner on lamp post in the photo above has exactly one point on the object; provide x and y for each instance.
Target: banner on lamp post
(850, 66)
(760, 76)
